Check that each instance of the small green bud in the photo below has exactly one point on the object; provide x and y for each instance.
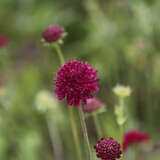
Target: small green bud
(45, 101)
(122, 91)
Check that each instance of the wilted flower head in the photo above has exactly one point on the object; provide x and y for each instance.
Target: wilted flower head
(108, 149)
(134, 137)
(92, 105)
(122, 91)
(75, 81)
(45, 101)
(3, 40)
(52, 33)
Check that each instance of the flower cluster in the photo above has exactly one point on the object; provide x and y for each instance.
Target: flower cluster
(134, 137)
(92, 105)
(52, 33)
(75, 81)
(108, 149)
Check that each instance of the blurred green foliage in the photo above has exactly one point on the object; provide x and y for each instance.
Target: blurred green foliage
(119, 37)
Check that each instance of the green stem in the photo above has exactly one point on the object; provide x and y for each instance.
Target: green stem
(72, 117)
(74, 132)
(121, 103)
(121, 139)
(58, 49)
(55, 138)
(83, 124)
(97, 125)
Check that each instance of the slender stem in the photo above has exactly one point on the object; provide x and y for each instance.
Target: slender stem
(55, 138)
(72, 117)
(83, 124)
(97, 125)
(121, 139)
(74, 132)
(121, 103)
(58, 49)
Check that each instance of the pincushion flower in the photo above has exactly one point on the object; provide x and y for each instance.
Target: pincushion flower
(52, 33)
(108, 149)
(3, 40)
(75, 81)
(134, 137)
(92, 105)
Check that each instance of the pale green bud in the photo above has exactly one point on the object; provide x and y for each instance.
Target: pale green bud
(44, 101)
(122, 91)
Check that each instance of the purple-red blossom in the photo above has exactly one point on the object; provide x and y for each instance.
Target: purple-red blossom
(92, 105)
(108, 149)
(3, 40)
(52, 33)
(75, 81)
(134, 137)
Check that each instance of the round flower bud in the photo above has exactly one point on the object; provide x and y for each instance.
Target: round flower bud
(76, 81)
(92, 105)
(52, 33)
(45, 101)
(3, 40)
(108, 149)
(122, 91)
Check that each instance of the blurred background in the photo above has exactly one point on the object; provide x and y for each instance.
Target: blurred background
(120, 38)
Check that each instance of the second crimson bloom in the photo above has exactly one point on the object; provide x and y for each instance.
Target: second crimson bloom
(75, 81)
(134, 137)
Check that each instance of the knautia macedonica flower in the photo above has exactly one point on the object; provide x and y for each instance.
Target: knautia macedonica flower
(134, 137)
(108, 149)
(52, 33)
(92, 105)
(3, 40)
(75, 81)
(122, 91)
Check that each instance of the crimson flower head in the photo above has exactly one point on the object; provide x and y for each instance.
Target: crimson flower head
(92, 105)
(3, 40)
(52, 33)
(108, 149)
(75, 81)
(134, 137)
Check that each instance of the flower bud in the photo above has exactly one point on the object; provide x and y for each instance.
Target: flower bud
(52, 33)
(45, 101)
(122, 91)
